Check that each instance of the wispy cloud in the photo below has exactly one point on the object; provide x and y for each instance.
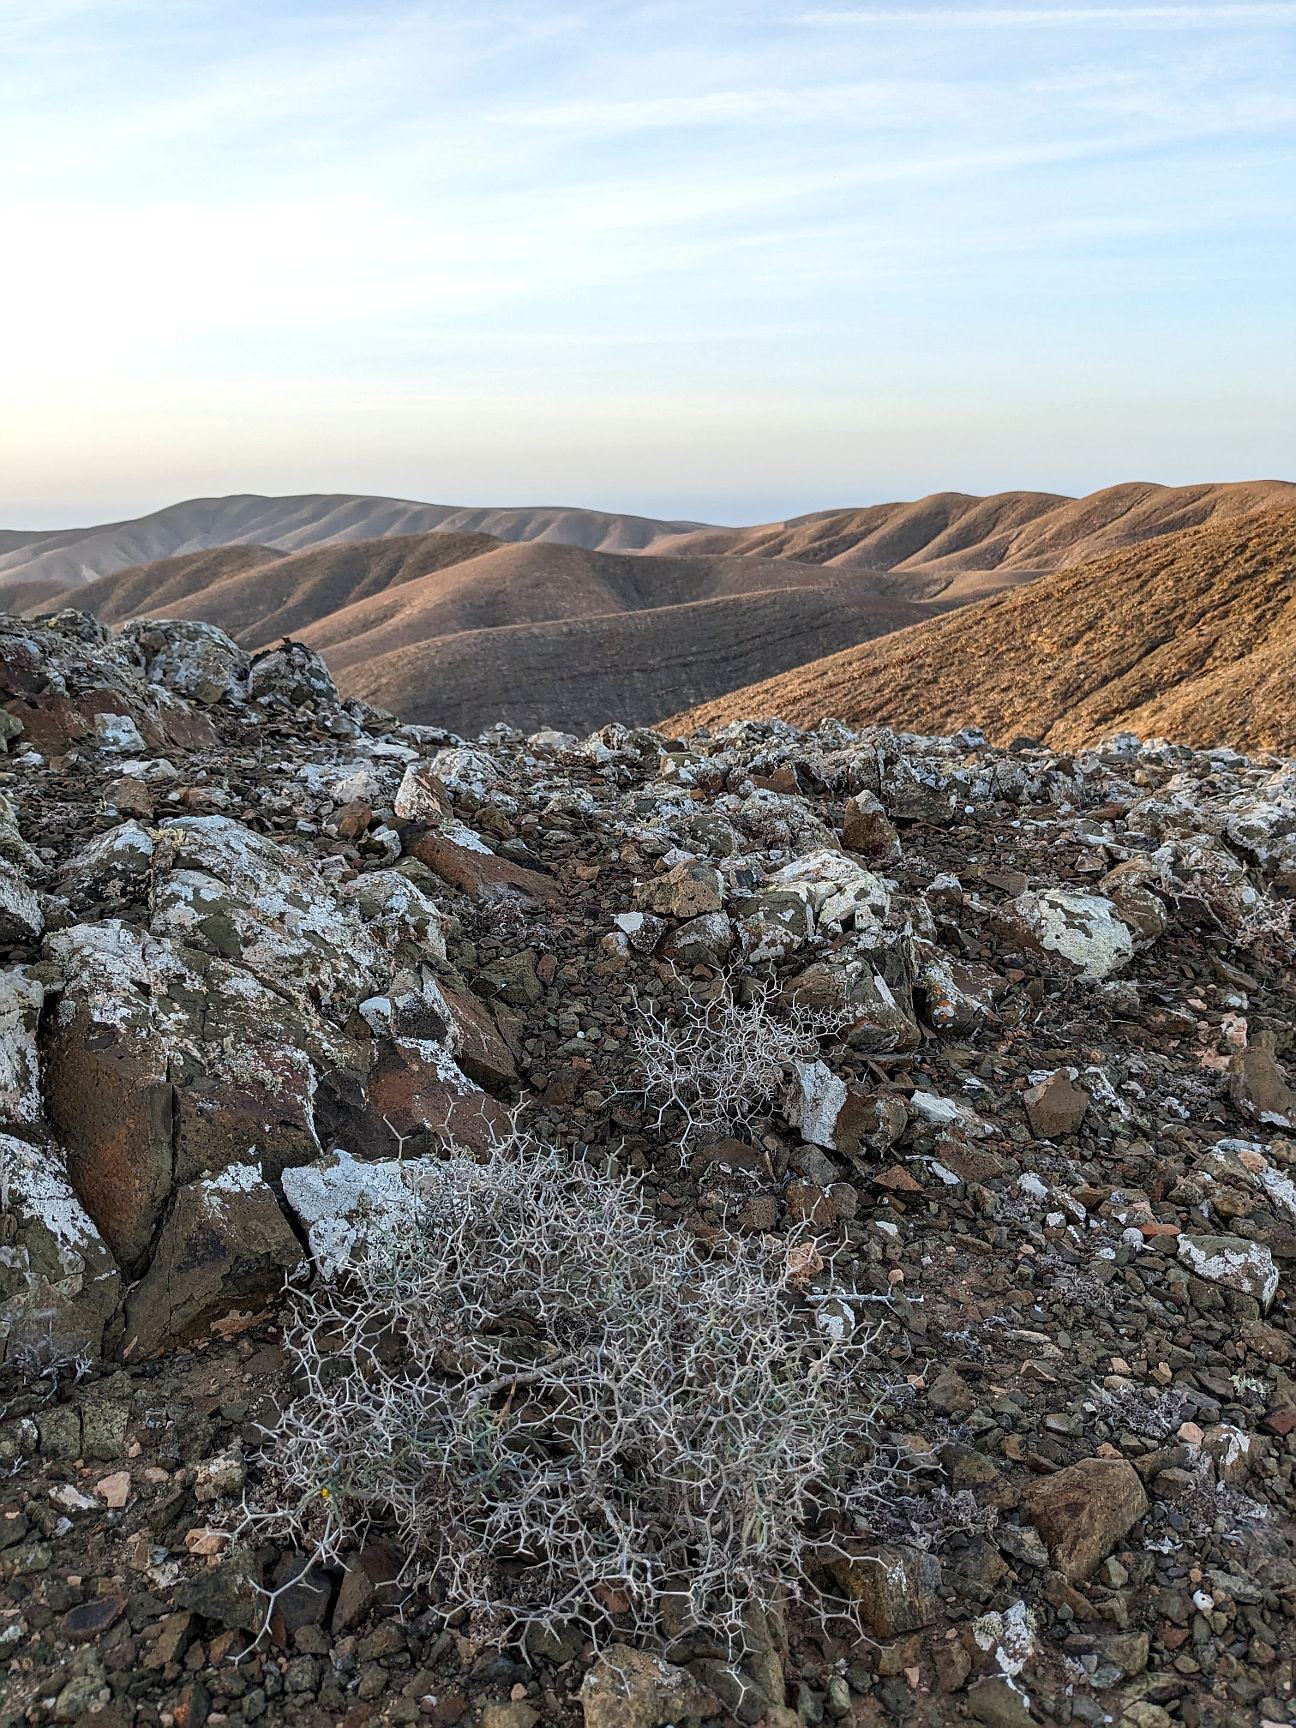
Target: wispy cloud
(228, 224)
(1061, 17)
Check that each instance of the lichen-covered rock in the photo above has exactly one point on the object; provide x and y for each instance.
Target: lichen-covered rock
(1233, 1261)
(894, 1587)
(704, 941)
(957, 995)
(232, 893)
(867, 829)
(294, 674)
(110, 872)
(688, 891)
(629, 1688)
(842, 894)
(59, 1284)
(340, 1202)
(21, 918)
(164, 1062)
(22, 995)
(191, 658)
(224, 1245)
(867, 981)
(1079, 934)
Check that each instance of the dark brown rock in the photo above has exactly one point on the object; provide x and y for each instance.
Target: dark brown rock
(1084, 1511)
(895, 1587)
(224, 1244)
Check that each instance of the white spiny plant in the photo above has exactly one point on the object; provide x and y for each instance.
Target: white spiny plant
(722, 1062)
(564, 1409)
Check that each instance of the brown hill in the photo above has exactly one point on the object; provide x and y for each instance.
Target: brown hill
(936, 540)
(258, 594)
(75, 556)
(438, 626)
(577, 673)
(1191, 637)
(520, 585)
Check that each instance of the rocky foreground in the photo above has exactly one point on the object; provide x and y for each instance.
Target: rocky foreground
(265, 952)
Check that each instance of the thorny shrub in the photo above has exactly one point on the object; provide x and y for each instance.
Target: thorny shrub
(566, 1411)
(720, 1063)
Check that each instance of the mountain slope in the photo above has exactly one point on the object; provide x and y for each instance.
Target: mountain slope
(934, 539)
(1192, 636)
(511, 586)
(949, 533)
(77, 555)
(454, 627)
(258, 594)
(578, 673)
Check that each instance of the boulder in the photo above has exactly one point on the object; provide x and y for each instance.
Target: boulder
(235, 895)
(629, 1688)
(339, 1202)
(867, 981)
(867, 829)
(109, 873)
(190, 658)
(1258, 1086)
(843, 895)
(21, 918)
(1232, 1261)
(703, 941)
(949, 1393)
(108, 1091)
(459, 858)
(1076, 934)
(1056, 1106)
(59, 1283)
(1082, 1512)
(957, 995)
(775, 922)
(292, 673)
(690, 890)
(224, 1244)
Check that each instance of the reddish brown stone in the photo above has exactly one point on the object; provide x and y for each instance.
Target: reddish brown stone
(1084, 1511)
(483, 1056)
(479, 874)
(112, 1107)
(410, 1100)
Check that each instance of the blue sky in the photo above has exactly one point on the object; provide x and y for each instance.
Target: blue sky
(720, 261)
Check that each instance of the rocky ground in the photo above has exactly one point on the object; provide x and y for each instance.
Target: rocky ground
(261, 948)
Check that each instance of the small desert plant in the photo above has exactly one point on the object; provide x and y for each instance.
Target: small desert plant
(722, 1062)
(566, 1411)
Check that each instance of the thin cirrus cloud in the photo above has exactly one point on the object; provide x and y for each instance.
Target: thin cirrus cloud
(1061, 17)
(639, 253)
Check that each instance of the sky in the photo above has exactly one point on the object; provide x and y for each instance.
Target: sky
(722, 262)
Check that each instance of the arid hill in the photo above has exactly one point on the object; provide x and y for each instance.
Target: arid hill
(577, 673)
(75, 556)
(1192, 637)
(258, 594)
(937, 540)
(460, 628)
